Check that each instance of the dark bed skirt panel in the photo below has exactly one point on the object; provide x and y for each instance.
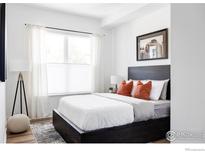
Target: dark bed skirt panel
(137, 132)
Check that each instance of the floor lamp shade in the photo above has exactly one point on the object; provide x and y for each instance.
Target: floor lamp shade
(19, 66)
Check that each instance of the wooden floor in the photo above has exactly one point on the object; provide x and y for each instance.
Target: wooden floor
(28, 137)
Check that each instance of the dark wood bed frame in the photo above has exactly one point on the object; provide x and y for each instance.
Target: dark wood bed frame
(137, 132)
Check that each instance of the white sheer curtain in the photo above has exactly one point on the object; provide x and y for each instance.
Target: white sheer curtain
(38, 92)
(97, 64)
(39, 105)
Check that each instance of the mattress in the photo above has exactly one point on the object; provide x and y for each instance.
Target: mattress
(91, 112)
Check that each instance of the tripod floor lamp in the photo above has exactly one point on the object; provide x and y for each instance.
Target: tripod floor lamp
(20, 86)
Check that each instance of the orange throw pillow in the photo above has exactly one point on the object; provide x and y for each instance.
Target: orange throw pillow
(125, 88)
(142, 91)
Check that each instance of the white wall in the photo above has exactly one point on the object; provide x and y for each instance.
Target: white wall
(18, 15)
(2, 113)
(124, 40)
(188, 75)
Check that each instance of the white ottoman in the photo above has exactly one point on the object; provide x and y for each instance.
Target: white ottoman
(18, 123)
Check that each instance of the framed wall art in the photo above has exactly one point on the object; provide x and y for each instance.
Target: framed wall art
(153, 45)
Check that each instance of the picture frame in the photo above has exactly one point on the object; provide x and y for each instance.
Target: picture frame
(152, 46)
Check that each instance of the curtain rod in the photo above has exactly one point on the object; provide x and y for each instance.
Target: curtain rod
(67, 30)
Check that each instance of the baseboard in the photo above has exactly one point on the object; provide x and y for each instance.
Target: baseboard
(5, 135)
(40, 119)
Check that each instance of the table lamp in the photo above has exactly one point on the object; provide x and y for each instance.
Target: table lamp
(114, 80)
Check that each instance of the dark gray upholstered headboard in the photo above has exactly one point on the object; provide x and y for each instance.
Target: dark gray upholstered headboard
(159, 72)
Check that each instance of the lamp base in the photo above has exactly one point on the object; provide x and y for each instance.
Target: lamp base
(22, 88)
(115, 89)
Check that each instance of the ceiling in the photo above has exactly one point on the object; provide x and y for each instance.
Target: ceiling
(110, 14)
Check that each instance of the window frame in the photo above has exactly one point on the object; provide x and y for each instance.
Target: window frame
(66, 58)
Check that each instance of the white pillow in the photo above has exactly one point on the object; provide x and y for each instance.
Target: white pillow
(164, 90)
(157, 86)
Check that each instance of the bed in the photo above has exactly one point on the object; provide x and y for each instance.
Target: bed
(130, 121)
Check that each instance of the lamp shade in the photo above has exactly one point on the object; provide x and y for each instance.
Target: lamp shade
(19, 66)
(114, 79)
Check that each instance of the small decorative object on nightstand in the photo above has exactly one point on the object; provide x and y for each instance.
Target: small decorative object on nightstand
(114, 79)
(111, 90)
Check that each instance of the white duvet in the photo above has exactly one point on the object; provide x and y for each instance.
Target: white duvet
(90, 112)
(143, 109)
(103, 110)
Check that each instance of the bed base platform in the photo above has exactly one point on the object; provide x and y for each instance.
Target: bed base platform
(137, 132)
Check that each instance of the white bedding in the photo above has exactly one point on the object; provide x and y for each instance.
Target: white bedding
(91, 112)
(161, 109)
(102, 110)
(143, 109)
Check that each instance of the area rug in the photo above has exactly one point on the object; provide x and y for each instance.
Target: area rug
(44, 132)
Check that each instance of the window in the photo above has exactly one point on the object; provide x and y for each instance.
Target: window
(68, 63)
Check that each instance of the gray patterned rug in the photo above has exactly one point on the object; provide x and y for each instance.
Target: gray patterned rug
(44, 132)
